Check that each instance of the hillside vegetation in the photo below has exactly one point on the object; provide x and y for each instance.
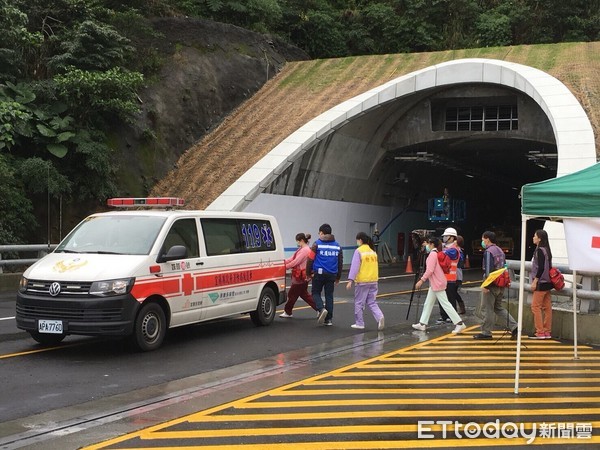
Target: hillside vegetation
(305, 89)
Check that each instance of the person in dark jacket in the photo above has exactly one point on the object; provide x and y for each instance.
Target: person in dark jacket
(541, 305)
(324, 266)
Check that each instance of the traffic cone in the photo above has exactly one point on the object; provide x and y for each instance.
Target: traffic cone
(409, 268)
(467, 263)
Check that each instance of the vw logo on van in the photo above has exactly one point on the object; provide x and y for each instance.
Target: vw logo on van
(54, 289)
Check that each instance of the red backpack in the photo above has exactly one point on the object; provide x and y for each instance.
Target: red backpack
(445, 261)
(556, 278)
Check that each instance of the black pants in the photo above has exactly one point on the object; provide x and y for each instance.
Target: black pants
(452, 293)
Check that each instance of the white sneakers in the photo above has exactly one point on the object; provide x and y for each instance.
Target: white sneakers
(459, 328)
(419, 326)
(285, 315)
(358, 327)
(381, 324)
(321, 316)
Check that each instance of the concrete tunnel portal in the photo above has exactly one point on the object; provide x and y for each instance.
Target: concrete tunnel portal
(480, 128)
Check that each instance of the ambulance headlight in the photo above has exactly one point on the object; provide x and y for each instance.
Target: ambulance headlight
(111, 287)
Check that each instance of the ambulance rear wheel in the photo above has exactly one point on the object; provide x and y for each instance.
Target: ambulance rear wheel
(265, 311)
(47, 339)
(150, 328)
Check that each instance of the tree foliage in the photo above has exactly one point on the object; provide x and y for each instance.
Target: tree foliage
(69, 69)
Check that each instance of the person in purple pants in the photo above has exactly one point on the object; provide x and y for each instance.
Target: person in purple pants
(364, 274)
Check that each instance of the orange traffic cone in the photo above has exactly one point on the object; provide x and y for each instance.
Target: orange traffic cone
(467, 263)
(409, 268)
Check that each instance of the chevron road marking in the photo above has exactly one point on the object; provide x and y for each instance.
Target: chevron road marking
(422, 396)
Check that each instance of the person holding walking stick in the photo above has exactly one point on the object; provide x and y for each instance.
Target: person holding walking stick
(437, 288)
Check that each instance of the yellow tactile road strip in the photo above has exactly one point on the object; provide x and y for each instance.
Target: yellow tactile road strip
(462, 391)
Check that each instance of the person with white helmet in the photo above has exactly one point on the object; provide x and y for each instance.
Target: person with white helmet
(453, 251)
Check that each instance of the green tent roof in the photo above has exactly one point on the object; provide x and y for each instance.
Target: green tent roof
(573, 195)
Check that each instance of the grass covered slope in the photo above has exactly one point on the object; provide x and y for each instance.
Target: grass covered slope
(305, 89)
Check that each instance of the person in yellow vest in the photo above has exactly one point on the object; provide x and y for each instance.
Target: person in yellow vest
(364, 274)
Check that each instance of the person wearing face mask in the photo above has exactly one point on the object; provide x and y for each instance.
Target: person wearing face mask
(493, 259)
(453, 251)
(541, 305)
(364, 274)
(437, 288)
(299, 287)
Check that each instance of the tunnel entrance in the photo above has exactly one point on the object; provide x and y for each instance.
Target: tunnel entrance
(482, 175)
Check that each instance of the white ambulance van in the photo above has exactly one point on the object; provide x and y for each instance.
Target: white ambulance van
(139, 272)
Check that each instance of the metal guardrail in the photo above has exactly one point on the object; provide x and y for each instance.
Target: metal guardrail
(40, 249)
(586, 284)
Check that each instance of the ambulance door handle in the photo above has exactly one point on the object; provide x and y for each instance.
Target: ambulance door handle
(200, 263)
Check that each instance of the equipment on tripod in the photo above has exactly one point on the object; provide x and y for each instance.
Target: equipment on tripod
(418, 237)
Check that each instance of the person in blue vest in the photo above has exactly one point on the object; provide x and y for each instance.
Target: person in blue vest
(493, 259)
(324, 266)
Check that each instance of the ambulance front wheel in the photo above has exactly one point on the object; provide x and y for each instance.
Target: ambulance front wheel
(150, 328)
(265, 311)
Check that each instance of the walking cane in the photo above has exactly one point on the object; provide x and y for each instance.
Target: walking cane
(418, 274)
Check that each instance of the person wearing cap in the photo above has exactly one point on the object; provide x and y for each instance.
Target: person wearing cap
(453, 251)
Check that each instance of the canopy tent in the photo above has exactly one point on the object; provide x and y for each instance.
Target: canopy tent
(576, 195)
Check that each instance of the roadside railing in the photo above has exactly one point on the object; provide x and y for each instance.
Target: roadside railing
(39, 250)
(586, 284)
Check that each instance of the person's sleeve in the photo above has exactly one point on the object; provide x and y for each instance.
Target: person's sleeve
(340, 263)
(355, 266)
(541, 258)
(429, 265)
(487, 264)
(311, 258)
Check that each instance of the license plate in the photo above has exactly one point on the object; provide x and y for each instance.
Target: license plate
(50, 326)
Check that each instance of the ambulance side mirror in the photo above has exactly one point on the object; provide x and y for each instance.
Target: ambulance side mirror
(175, 252)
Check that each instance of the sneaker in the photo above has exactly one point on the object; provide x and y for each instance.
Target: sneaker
(482, 336)
(440, 321)
(459, 328)
(321, 316)
(448, 320)
(285, 315)
(547, 336)
(514, 334)
(381, 324)
(419, 326)
(358, 327)
(328, 323)
(536, 336)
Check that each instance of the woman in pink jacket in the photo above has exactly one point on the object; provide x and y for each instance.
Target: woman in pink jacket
(437, 288)
(299, 286)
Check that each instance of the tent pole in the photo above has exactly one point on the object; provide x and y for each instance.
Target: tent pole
(575, 356)
(521, 295)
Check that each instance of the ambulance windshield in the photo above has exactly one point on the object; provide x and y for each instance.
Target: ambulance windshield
(113, 234)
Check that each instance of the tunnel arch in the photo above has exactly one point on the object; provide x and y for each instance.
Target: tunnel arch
(317, 174)
(570, 125)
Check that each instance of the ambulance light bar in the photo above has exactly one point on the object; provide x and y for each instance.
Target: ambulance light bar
(153, 202)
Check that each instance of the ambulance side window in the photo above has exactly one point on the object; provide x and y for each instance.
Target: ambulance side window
(183, 232)
(221, 236)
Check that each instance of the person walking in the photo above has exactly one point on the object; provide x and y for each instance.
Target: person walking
(324, 266)
(299, 287)
(460, 242)
(493, 259)
(437, 288)
(364, 274)
(541, 305)
(453, 251)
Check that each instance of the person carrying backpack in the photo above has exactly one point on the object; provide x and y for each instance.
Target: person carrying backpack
(437, 288)
(493, 259)
(452, 250)
(541, 305)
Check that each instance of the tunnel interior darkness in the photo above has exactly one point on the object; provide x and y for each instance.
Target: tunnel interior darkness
(482, 142)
